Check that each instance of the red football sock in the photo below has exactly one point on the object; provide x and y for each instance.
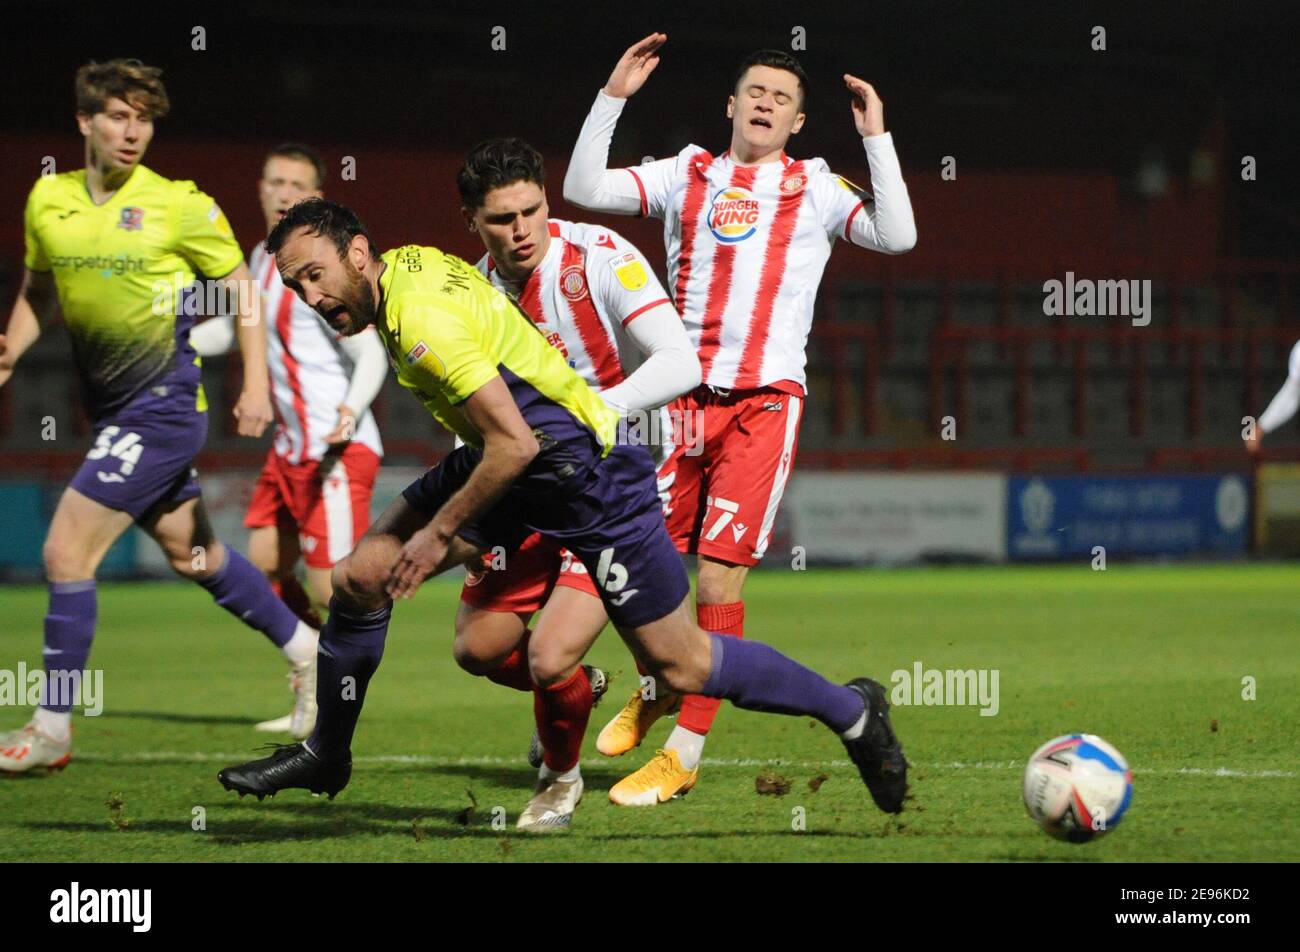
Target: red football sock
(513, 671)
(698, 712)
(562, 711)
(291, 592)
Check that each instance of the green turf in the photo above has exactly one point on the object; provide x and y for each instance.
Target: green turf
(1148, 657)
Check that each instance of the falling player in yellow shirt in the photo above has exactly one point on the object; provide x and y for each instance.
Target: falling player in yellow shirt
(540, 455)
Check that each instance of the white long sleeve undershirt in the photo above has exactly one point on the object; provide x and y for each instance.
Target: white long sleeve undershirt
(369, 365)
(672, 366)
(1283, 406)
(214, 336)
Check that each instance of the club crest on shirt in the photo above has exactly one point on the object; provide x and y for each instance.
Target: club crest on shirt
(630, 271)
(132, 219)
(795, 183)
(733, 216)
(573, 283)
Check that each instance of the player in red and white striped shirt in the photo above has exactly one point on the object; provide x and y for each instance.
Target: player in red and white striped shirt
(312, 499)
(596, 299)
(748, 234)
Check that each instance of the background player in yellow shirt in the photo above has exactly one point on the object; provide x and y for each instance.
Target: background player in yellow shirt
(117, 248)
(539, 456)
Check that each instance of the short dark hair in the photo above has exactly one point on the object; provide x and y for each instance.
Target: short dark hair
(776, 59)
(302, 153)
(497, 162)
(332, 220)
(137, 85)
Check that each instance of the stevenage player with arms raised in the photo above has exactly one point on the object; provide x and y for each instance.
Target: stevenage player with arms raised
(540, 455)
(748, 234)
(312, 498)
(594, 297)
(100, 241)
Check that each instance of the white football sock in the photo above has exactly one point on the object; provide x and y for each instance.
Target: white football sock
(688, 744)
(570, 775)
(301, 648)
(54, 724)
(854, 732)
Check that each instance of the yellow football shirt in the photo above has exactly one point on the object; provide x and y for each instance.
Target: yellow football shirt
(449, 331)
(118, 267)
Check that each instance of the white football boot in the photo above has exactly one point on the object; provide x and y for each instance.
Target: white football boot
(552, 806)
(300, 722)
(28, 748)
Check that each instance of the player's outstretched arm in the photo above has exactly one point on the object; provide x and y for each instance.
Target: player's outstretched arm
(508, 447)
(253, 411)
(588, 183)
(888, 224)
(35, 306)
(369, 365)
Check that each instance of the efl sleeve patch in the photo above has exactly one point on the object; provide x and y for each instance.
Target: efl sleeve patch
(422, 356)
(630, 271)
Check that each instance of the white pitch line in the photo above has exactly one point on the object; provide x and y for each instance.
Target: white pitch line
(424, 760)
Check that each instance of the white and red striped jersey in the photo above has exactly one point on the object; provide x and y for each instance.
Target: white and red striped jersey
(747, 246)
(590, 285)
(309, 370)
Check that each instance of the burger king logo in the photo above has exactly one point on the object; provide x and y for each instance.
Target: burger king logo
(734, 214)
(573, 283)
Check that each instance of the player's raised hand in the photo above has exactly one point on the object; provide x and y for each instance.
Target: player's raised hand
(253, 411)
(422, 553)
(635, 66)
(868, 110)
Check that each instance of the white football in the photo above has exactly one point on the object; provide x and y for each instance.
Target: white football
(1078, 787)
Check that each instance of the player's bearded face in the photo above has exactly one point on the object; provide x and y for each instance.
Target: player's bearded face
(118, 135)
(330, 284)
(766, 109)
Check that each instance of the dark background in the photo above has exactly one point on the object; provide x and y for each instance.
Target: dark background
(999, 85)
(1123, 163)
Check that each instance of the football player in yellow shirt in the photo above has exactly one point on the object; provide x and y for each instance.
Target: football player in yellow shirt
(119, 249)
(539, 456)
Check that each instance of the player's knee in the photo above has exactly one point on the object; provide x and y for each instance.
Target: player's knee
(471, 658)
(64, 561)
(548, 666)
(358, 583)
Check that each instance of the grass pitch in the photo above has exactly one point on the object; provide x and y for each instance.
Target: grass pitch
(1151, 658)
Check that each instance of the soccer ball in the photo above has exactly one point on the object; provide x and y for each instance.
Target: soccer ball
(1078, 787)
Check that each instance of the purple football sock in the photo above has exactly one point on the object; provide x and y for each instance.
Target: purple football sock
(69, 630)
(243, 591)
(351, 646)
(755, 677)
